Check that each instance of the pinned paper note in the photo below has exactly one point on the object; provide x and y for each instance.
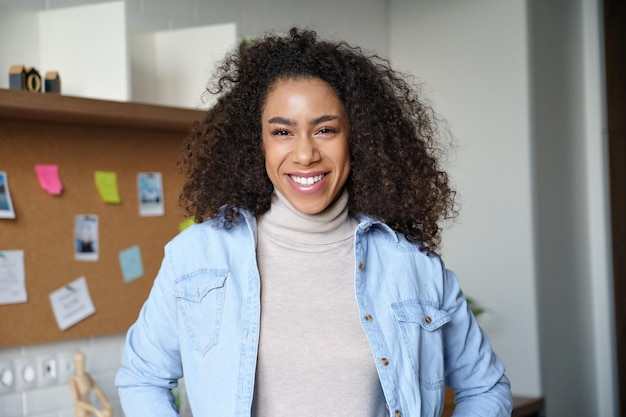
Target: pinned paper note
(106, 181)
(130, 262)
(185, 224)
(6, 206)
(12, 279)
(49, 178)
(72, 303)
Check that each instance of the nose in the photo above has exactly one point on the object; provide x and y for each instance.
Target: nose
(305, 151)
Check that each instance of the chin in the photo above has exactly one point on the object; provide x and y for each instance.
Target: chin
(310, 209)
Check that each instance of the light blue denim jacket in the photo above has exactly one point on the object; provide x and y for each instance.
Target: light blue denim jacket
(202, 321)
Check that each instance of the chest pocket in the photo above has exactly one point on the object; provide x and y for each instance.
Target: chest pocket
(200, 300)
(420, 325)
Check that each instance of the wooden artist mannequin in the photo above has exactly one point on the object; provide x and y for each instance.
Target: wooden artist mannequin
(81, 385)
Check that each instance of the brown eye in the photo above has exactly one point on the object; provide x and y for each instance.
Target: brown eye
(327, 131)
(280, 132)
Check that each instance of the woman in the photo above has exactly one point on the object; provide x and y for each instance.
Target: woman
(310, 285)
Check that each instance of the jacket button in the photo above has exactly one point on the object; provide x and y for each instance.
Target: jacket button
(398, 413)
(369, 317)
(361, 266)
(384, 361)
(427, 319)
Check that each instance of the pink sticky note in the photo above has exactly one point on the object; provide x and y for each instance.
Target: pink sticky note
(49, 178)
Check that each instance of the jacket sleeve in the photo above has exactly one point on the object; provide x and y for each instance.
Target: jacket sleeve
(473, 370)
(151, 364)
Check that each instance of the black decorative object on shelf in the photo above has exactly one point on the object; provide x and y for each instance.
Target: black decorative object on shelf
(33, 80)
(28, 78)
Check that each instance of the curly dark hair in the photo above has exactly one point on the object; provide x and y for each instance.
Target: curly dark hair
(394, 175)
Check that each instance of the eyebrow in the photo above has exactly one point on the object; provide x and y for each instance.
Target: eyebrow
(312, 122)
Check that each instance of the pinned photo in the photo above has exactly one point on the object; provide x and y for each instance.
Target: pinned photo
(86, 237)
(150, 188)
(6, 206)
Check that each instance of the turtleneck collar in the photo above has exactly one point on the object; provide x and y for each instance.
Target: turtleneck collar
(330, 226)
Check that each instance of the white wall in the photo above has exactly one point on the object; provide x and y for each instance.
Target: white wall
(87, 46)
(358, 21)
(472, 55)
(19, 41)
(521, 84)
(164, 73)
(571, 188)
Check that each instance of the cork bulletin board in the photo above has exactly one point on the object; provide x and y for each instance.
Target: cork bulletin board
(82, 136)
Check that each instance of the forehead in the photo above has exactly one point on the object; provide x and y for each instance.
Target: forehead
(283, 89)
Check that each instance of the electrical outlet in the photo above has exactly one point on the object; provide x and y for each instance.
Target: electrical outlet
(26, 374)
(48, 370)
(65, 367)
(7, 377)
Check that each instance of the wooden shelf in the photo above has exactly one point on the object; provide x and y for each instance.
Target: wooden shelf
(27, 106)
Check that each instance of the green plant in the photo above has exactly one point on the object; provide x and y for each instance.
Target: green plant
(474, 306)
(176, 393)
(245, 42)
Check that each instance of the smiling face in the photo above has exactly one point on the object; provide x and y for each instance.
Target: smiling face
(305, 140)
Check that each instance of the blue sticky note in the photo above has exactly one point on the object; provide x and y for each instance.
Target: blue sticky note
(130, 262)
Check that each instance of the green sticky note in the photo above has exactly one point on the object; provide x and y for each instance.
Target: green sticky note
(106, 181)
(185, 224)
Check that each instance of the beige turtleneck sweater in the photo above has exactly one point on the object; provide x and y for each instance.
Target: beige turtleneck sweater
(314, 358)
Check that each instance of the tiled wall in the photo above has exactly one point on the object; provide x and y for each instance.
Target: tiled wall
(102, 355)
(154, 14)
(102, 361)
(362, 22)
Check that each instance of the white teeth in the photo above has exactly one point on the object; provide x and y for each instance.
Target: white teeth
(307, 180)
